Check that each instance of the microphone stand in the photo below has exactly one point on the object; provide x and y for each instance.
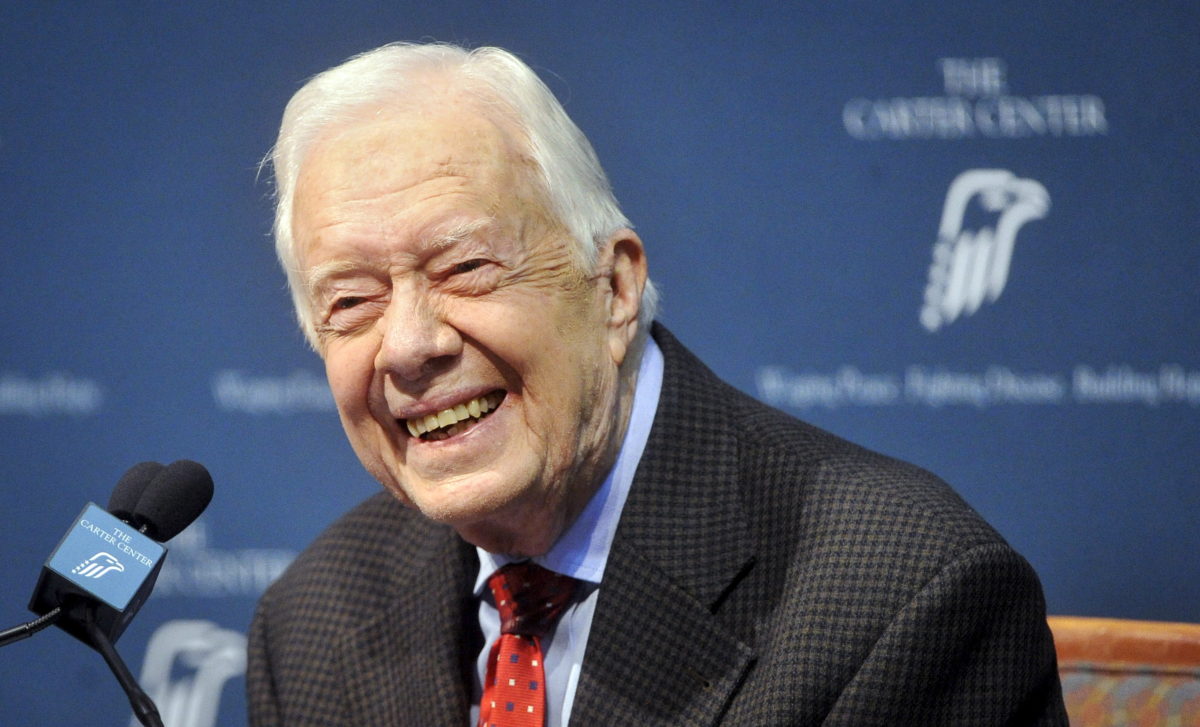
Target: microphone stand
(143, 705)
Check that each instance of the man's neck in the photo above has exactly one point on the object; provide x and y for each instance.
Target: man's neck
(581, 549)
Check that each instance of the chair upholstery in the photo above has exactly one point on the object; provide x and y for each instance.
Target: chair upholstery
(1119, 672)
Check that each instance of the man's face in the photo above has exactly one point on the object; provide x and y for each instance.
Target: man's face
(448, 306)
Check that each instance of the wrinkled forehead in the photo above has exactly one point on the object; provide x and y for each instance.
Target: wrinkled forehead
(403, 158)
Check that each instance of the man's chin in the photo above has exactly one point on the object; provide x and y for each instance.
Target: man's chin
(460, 503)
(489, 516)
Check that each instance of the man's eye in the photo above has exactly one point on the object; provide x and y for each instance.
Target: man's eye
(347, 303)
(468, 266)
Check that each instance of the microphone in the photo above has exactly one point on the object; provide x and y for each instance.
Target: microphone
(106, 565)
(104, 568)
(168, 503)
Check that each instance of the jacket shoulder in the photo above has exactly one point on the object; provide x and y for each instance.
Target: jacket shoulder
(798, 482)
(350, 572)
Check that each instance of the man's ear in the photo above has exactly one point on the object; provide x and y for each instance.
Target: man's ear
(627, 262)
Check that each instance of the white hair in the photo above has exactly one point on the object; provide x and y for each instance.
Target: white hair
(565, 166)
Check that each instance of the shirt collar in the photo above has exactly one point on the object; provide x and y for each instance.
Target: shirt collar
(582, 551)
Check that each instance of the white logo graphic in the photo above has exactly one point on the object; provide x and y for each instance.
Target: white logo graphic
(187, 665)
(98, 566)
(971, 266)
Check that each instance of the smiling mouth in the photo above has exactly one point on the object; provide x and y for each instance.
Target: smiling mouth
(455, 420)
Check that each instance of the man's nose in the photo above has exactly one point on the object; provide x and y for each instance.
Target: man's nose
(417, 340)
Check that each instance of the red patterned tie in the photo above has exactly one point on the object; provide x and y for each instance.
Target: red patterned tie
(530, 600)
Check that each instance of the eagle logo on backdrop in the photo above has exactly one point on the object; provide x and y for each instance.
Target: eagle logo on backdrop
(187, 665)
(970, 266)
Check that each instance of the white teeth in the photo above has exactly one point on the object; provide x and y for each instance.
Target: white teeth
(472, 409)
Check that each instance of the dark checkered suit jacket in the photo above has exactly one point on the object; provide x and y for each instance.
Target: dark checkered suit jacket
(764, 573)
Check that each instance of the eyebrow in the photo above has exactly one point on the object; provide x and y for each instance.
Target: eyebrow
(443, 237)
(439, 238)
(316, 276)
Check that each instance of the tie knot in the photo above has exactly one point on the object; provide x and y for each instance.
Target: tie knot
(530, 598)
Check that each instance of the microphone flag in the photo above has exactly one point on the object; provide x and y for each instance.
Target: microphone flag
(101, 561)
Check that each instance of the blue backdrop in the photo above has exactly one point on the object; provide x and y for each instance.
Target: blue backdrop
(962, 234)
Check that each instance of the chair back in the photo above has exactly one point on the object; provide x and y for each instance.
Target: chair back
(1121, 672)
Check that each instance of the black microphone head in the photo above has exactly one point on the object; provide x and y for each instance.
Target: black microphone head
(173, 499)
(125, 496)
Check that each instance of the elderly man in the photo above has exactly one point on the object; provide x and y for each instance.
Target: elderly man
(582, 523)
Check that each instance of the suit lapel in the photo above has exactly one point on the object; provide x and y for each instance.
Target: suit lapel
(409, 664)
(658, 653)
